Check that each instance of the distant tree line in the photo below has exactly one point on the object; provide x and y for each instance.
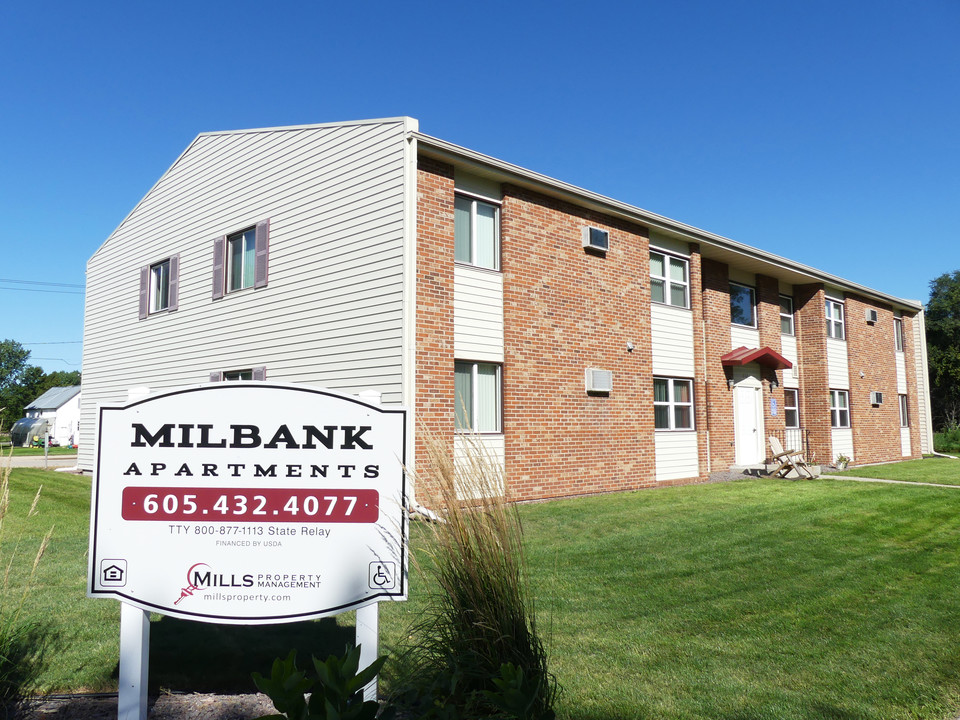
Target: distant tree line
(22, 383)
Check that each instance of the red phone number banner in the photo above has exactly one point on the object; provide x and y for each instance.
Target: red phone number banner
(246, 505)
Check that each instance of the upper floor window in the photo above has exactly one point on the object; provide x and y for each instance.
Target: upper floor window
(240, 260)
(791, 408)
(672, 404)
(786, 315)
(477, 392)
(904, 412)
(158, 286)
(256, 373)
(835, 319)
(476, 232)
(743, 305)
(839, 409)
(898, 333)
(669, 280)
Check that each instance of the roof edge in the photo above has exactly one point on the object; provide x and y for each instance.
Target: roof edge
(435, 147)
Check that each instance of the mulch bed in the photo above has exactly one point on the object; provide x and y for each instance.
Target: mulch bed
(165, 707)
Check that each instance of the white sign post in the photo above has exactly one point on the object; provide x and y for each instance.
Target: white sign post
(247, 503)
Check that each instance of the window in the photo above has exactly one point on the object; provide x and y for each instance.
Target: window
(835, 319)
(743, 305)
(839, 409)
(477, 387)
(898, 333)
(158, 286)
(596, 239)
(257, 373)
(240, 260)
(672, 404)
(476, 232)
(904, 412)
(786, 315)
(669, 280)
(791, 408)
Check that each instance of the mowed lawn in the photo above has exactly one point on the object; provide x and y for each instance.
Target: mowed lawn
(745, 600)
(940, 470)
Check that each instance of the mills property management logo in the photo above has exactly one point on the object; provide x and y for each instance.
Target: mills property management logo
(201, 577)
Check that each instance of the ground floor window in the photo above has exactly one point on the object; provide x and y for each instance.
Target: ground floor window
(791, 408)
(839, 409)
(904, 412)
(672, 404)
(477, 387)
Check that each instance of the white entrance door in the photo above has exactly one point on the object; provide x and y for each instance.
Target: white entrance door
(748, 422)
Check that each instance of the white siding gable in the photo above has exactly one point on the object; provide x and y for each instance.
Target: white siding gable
(331, 314)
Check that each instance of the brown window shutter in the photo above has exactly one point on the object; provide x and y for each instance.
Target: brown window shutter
(260, 373)
(219, 256)
(144, 291)
(262, 251)
(174, 291)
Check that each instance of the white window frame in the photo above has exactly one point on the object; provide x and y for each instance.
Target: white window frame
(839, 412)
(475, 400)
(787, 316)
(672, 405)
(753, 299)
(898, 333)
(249, 235)
(904, 411)
(474, 202)
(668, 282)
(788, 408)
(835, 326)
(160, 286)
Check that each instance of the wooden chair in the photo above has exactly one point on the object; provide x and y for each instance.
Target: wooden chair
(789, 461)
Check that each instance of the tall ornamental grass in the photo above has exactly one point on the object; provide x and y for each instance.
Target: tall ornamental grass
(475, 651)
(21, 641)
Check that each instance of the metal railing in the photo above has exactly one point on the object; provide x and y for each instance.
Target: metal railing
(793, 439)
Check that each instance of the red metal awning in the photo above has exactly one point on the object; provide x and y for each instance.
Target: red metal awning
(765, 356)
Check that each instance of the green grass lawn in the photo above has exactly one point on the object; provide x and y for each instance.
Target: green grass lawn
(746, 600)
(32, 451)
(944, 471)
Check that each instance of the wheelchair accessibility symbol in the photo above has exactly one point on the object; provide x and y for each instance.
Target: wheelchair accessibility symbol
(383, 576)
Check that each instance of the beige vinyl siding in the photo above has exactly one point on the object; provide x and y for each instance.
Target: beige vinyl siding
(671, 331)
(477, 314)
(905, 450)
(901, 374)
(675, 455)
(741, 336)
(788, 348)
(838, 372)
(925, 420)
(332, 312)
(842, 439)
(468, 447)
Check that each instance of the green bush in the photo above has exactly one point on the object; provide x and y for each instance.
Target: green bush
(948, 440)
(475, 652)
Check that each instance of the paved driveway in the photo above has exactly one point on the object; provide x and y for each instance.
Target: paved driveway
(36, 461)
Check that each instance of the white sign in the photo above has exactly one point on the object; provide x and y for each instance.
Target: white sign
(249, 503)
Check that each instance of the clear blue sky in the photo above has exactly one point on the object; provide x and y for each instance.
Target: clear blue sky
(828, 132)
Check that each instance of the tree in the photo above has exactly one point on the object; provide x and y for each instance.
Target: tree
(943, 348)
(21, 384)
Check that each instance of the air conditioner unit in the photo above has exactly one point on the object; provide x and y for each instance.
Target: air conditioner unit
(876, 398)
(599, 382)
(872, 315)
(596, 239)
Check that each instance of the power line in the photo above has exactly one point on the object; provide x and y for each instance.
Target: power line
(40, 282)
(59, 292)
(58, 342)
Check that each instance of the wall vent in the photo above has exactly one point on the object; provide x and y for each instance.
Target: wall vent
(876, 398)
(596, 239)
(872, 315)
(599, 382)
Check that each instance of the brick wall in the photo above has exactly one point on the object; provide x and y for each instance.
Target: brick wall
(913, 405)
(811, 329)
(871, 354)
(768, 324)
(434, 373)
(716, 314)
(565, 310)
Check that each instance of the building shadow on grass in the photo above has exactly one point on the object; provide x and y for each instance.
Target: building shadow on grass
(190, 656)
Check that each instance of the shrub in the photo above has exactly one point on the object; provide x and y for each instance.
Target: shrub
(948, 440)
(475, 652)
(20, 642)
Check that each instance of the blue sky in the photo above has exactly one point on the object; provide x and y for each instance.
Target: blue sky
(827, 132)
